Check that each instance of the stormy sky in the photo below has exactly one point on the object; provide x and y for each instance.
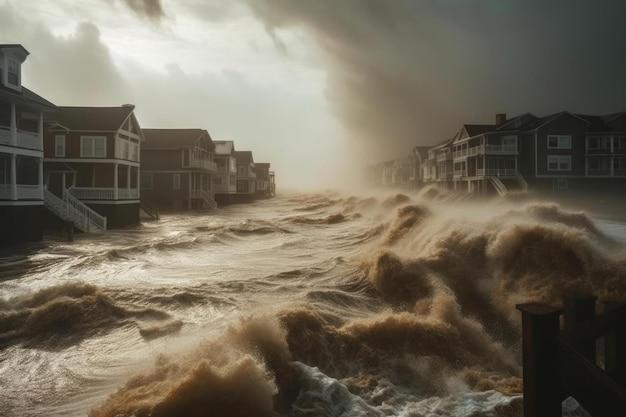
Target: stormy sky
(321, 87)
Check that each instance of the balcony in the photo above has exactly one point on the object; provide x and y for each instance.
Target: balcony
(25, 139)
(88, 193)
(496, 172)
(30, 140)
(460, 154)
(127, 193)
(493, 150)
(24, 192)
(203, 164)
(443, 156)
(458, 174)
(5, 135)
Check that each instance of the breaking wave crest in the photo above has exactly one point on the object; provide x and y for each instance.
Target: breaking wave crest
(63, 314)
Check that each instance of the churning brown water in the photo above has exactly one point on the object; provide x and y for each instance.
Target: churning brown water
(306, 305)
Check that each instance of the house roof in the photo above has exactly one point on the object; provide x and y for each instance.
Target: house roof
(14, 45)
(601, 123)
(244, 157)
(475, 130)
(262, 169)
(224, 147)
(26, 97)
(93, 118)
(172, 138)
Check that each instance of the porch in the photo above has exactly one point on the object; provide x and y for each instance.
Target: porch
(21, 177)
(94, 182)
(21, 127)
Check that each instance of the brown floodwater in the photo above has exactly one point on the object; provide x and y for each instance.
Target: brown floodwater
(318, 304)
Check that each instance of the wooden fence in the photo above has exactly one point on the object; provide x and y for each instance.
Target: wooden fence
(580, 355)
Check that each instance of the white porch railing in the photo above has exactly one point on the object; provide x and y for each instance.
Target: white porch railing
(5, 135)
(460, 154)
(29, 192)
(496, 172)
(5, 191)
(85, 193)
(203, 164)
(494, 149)
(30, 140)
(127, 193)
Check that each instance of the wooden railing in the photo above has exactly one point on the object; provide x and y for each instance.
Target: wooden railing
(561, 363)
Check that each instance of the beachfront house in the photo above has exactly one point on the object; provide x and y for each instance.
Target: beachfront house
(562, 152)
(21, 151)
(265, 186)
(92, 165)
(225, 179)
(178, 169)
(246, 177)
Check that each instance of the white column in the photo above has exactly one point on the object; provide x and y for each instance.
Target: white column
(40, 130)
(13, 125)
(115, 179)
(13, 177)
(41, 177)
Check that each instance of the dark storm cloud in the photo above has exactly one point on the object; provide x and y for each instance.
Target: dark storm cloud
(409, 72)
(152, 9)
(67, 70)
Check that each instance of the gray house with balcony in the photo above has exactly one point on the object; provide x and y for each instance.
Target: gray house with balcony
(560, 152)
(21, 151)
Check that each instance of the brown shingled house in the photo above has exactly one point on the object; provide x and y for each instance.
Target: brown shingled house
(178, 168)
(92, 166)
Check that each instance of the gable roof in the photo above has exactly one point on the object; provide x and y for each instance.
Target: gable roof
(172, 138)
(602, 123)
(224, 147)
(14, 45)
(262, 169)
(475, 130)
(93, 118)
(244, 157)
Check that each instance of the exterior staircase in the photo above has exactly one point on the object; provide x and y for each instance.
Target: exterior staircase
(499, 186)
(71, 209)
(208, 202)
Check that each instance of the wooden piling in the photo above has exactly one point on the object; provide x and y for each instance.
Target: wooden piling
(579, 310)
(615, 344)
(540, 349)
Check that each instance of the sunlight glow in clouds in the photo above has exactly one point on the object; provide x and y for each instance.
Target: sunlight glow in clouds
(215, 68)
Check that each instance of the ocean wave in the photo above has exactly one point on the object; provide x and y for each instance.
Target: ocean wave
(63, 314)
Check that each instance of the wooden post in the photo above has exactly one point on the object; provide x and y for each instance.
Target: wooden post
(540, 331)
(578, 310)
(615, 345)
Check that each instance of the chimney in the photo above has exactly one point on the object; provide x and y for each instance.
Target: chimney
(500, 119)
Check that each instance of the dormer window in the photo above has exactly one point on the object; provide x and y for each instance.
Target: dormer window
(13, 73)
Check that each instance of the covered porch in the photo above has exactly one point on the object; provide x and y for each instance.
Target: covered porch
(21, 177)
(94, 181)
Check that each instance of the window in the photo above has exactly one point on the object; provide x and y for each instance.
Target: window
(176, 181)
(241, 171)
(217, 180)
(59, 145)
(13, 75)
(93, 146)
(147, 181)
(559, 142)
(559, 163)
(599, 143)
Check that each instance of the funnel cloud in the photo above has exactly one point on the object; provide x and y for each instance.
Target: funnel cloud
(407, 73)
